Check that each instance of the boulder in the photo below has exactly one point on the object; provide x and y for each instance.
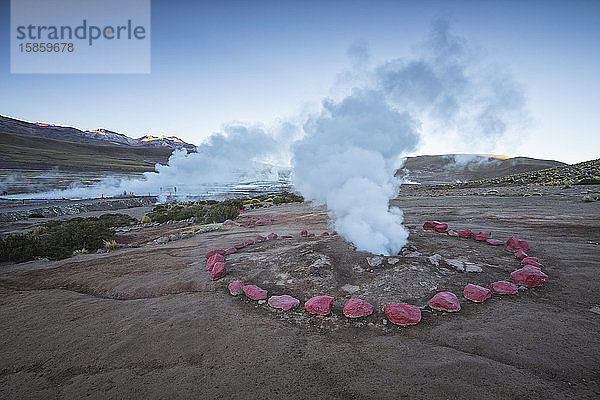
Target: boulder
(473, 268)
(272, 236)
(441, 228)
(355, 308)
(239, 245)
(504, 287)
(319, 305)
(484, 235)
(430, 225)
(303, 233)
(393, 260)
(284, 302)
(286, 236)
(236, 287)
(476, 293)
(310, 235)
(435, 259)
(466, 234)
(260, 238)
(533, 263)
(528, 260)
(254, 292)
(248, 242)
(213, 252)
(325, 234)
(529, 276)
(260, 223)
(333, 233)
(230, 250)
(374, 261)
(514, 244)
(495, 242)
(402, 313)
(444, 301)
(456, 264)
(218, 271)
(214, 259)
(520, 254)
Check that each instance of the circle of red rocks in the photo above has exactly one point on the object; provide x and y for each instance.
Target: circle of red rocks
(403, 314)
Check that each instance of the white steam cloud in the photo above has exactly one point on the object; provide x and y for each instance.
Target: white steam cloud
(346, 155)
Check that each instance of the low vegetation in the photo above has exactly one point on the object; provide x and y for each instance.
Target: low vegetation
(204, 212)
(56, 240)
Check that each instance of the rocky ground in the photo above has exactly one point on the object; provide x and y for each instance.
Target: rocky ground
(146, 322)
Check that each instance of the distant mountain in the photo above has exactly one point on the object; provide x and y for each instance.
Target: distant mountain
(97, 136)
(449, 168)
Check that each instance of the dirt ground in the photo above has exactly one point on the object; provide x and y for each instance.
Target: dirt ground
(148, 323)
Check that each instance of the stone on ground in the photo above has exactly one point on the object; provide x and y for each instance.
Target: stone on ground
(430, 225)
(272, 236)
(504, 287)
(514, 244)
(441, 227)
(520, 254)
(529, 276)
(236, 288)
(213, 252)
(319, 305)
(303, 233)
(248, 242)
(476, 293)
(435, 259)
(260, 238)
(214, 259)
(467, 233)
(495, 242)
(453, 232)
(374, 261)
(445, 301)
(285, 302)
(230, 250)
(402, 313)
(355, 308)
(254, 292)
(218, 271)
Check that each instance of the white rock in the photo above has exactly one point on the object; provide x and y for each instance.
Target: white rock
(350, 288)
(392, 260)
(374, 261)
(456, 264)
(435, 259)
(473, 268)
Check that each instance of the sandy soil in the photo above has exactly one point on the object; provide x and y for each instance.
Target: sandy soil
(147, 323)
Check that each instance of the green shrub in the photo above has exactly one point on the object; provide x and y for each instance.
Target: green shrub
(36, 215)
(146, 219)
(208, 211)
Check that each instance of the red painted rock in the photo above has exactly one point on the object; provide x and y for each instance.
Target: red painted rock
(355, 308)
(239, 245)
(528, 260)
(467, 233)
(284, 302)
(476, 293)
(441, 228)
(445, 301)
(272, 236)
(286, 236)
(333, 233)
(259, 222)
(504, 287)
(430, 225)
(529, 276)
(218, 271)
(302, 233)
(533, 264)
(230, 250)
(484, 235)
(495, 242)
(310, 235)
(514, 244)
(213, 252)
(325, 234)
(236, 287)
(260, 238)
(520, 254)
(254, 292)
(319, 305)
(402, 313)
(214, 259)
(248, 242)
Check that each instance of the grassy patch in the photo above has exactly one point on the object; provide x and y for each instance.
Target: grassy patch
(205, 212)
(61, 239)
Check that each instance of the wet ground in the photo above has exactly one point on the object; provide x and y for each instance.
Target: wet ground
(148, 323)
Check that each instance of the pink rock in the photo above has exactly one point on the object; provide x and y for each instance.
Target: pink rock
(236, 287)
(476, 293)
(495, 242)
(248, 242)
(529, 276)
(445, 301)
(284, 302)
(430, 225)
(213, 252)
(520, 254)
(325, 234)
(467, 233)
(230, 250)
(218, 271)
(333, 233)
(504, 287)
(250, 225)
(214, 259)
(514, 244)
(310, 235)
(355, 308)
(319, 305)
(260, 223)
(272, 236)
(239, 245)
(528, 260)
(302, 233)
(260, 238)
(533, 264)
(229, 223)
(484, 235)
(286, 236)
(254, 292)
(402, 313)
(410, 226)
(441, 228)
